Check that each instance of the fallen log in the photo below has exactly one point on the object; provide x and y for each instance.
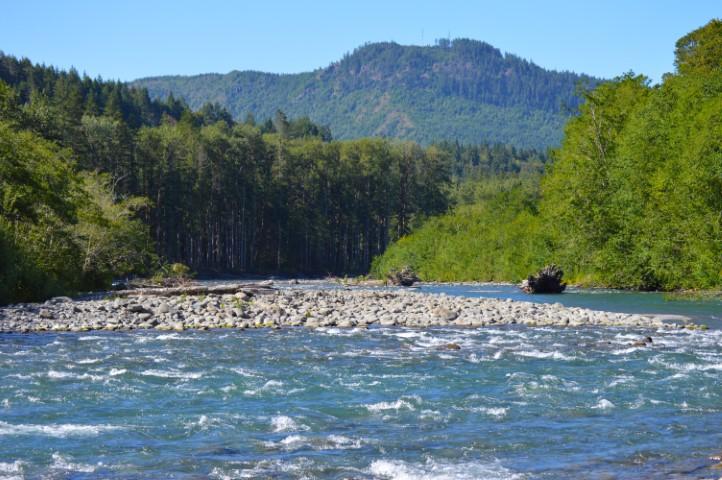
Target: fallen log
(252, 288)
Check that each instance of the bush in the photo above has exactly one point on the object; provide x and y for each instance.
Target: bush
(172, 274)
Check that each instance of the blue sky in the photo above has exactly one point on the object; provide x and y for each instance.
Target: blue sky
(128, 39)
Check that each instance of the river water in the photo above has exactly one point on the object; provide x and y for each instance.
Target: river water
(392, 403)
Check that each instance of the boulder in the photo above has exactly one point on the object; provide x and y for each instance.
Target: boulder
(445, 314)
(136, 308)
(162, 308)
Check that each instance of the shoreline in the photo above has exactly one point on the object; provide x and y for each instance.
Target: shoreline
(242, 305)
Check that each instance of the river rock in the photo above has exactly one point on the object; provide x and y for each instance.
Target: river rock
(57, 300)
(445, 314)
(344, 308)
(162, 308)
(136, 308)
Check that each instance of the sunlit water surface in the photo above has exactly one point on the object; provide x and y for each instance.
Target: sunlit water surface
(511, 403)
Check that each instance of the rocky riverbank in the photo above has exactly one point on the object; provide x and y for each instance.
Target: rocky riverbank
(242, 307)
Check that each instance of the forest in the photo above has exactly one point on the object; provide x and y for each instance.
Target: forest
(459, 89)
(632, 198)
(100, 181)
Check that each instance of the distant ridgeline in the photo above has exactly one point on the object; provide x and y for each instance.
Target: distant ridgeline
(197, 187)
(633, 197)
(462, 90)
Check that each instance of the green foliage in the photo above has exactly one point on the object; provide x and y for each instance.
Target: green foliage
(113, 240)
(224, 196)
(462, 89)
(172, 274)
(701, 50)
(59, 231)
(652, 199)
(94, 175)
(633, 197)
(497, 237)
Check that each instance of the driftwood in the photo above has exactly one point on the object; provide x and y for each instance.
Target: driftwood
(548, 280)
(252, 288)
(405, 277)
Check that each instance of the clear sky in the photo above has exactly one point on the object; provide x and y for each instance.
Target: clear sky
(127, 39)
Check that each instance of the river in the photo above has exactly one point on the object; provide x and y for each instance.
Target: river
(383, 403)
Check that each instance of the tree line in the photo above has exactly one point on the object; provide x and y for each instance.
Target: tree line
(197, 187)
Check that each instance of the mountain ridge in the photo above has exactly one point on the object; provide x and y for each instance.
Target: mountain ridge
(464, 90)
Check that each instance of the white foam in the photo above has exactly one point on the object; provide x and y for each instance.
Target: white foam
(265, 469)
(55, 430)
(245, 372)
(434, 415)
(171, 374)
(411, 334)
(204, 421)
(282, 423)
(397, 405)
(496, 412)
(625, 351)
(14, 467)
(687, 367)
(620, 380)
(332, 442)
(271, 385)
(114, 372)
(56, 375)
(340, 441)
(400, 470)
(61, 463)
(88, 361)
(474, 358)
(173, 336)
(539, 354)
(604, 404)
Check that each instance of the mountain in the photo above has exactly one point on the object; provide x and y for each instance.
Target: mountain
(463, 90)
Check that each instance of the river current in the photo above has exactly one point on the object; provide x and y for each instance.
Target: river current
(383, 403)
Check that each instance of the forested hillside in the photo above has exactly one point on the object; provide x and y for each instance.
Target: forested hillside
(462, 90)
(633, 197)
(98, 180)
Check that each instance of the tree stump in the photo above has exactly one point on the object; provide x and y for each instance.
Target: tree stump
(405, 277)
(548, 280)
